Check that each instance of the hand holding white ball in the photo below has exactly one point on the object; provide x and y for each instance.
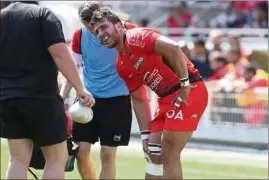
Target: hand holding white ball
(80, 114)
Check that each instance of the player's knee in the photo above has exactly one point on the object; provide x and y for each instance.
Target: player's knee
(83, 152)
(168, 145)
(108, 155)
(171, 151)
(20, 151)
(154, 165)
(20, 159)
(167, 141)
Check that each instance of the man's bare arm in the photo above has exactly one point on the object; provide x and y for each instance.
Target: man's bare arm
(175, 58)
(142, 108)
(143, 114)
(67, 86)
(66, 64)
(173, 54)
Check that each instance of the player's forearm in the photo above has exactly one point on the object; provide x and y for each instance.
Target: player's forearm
(142, 108)
(66, 65)
(142, 112)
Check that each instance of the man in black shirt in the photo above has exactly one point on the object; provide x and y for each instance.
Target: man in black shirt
(32, 49)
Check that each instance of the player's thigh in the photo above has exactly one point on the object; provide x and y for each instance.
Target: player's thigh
(20, 150)
(181, 122)
(46, 119)
(84, 150)
(158, 121)
(13, 125)
(116, 121)
(155, 138)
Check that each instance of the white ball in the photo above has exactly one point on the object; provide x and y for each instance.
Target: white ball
(80, 114)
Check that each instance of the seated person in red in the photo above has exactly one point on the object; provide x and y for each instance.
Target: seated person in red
(180, 17)
(183, 96)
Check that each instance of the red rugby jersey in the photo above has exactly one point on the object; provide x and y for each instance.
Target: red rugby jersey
(139, 65)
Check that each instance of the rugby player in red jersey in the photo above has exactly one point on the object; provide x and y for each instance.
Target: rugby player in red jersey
(148, 58)
(110, 130)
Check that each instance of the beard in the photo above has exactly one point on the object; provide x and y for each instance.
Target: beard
(114, 38)
(113, 44)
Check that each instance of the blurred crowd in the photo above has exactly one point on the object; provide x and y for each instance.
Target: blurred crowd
(230, 70)
(235, 14)
(232, 67)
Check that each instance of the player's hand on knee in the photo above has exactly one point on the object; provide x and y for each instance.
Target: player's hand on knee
(86, 98)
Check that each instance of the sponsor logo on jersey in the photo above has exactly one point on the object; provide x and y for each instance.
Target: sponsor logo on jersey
(153, 79)
(138, 63)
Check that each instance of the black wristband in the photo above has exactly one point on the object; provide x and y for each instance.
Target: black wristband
(145, 132)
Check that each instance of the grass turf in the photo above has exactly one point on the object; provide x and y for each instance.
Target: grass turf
(132, 166)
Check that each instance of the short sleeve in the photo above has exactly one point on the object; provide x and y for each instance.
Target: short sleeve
(75, 44)
(51, 28)
(141, 40)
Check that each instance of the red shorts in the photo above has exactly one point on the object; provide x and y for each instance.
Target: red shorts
(186, 117)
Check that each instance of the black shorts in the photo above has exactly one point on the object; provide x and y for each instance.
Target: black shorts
(42, 120)
(111, 123)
